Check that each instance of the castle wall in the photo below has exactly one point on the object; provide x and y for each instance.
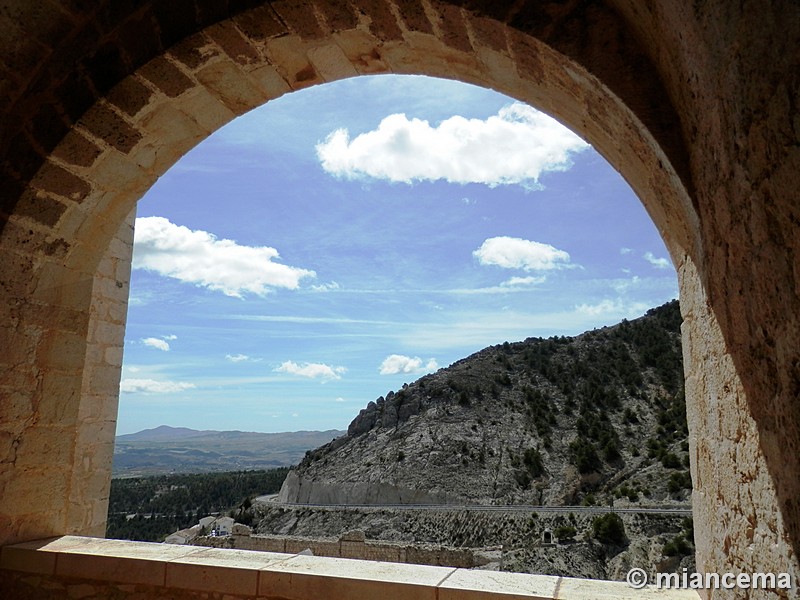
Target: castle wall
(348, 547)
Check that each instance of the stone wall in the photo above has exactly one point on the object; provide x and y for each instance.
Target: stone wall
(296, 489)
(26, 586)
(352, 545)
(84, 568)
(733, 495)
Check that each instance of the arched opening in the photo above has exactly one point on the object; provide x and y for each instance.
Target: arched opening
(406, 247)
(66, 241)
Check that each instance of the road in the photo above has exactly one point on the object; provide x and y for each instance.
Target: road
(590, 510)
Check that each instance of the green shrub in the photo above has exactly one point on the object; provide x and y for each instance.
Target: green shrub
(671, 461)
(609, 530)
(565, 533)
(533, 461)
(583, 455)
(679, 481)
(678, 546)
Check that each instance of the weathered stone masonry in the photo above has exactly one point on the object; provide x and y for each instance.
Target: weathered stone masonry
(695, 103)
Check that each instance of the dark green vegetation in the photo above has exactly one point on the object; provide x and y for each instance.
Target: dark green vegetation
(683, 543)
(180, 450)
(150, 508)
(609, 529)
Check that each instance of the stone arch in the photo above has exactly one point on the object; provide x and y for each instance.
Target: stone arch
(694, 124)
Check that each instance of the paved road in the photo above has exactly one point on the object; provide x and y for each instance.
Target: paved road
(591, 510)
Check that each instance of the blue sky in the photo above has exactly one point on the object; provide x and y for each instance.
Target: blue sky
(339, 241)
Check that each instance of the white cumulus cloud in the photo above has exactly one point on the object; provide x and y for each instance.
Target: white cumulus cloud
(157, 343)
(200, 258)
(312, 370)
(398, 363)
(658, 263)
(152, 386)
(516, 253)
(515, 146)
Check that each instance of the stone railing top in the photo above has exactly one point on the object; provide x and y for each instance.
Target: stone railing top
(296, 577)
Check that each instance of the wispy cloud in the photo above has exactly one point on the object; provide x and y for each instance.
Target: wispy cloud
(398, 363)
(623, 286)
(200, 258)
(237, 358)
(658, 263)
(523, 281)
(514, 146)
(312, 370)
(617, 307)
(470, 331)
(313, 320)
(326, 287)
(516, 253)
(156, 343)
(153, 386)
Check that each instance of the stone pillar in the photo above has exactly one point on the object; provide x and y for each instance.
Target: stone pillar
(97, 415)
(60, 385)
(736, 525)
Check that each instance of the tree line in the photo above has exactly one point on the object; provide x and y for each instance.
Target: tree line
(150, 508)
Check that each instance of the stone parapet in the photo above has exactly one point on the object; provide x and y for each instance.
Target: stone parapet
(93, 568)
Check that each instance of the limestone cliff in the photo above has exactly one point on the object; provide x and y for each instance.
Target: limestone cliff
(599, 417)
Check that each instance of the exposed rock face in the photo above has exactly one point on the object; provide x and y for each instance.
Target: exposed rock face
(553, 422)
(304, 491)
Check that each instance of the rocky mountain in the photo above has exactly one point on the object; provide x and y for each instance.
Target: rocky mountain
(596, 418)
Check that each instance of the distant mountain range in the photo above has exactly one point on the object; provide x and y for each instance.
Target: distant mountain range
(163, 433)
(166, 449)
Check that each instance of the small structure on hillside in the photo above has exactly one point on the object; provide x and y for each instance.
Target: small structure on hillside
(211, 526)
(184, 536)
(217, 526)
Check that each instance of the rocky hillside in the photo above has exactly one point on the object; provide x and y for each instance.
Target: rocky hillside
(511, 540)
(596, 418)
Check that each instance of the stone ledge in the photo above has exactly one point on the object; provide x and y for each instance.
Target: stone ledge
(249, 574)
